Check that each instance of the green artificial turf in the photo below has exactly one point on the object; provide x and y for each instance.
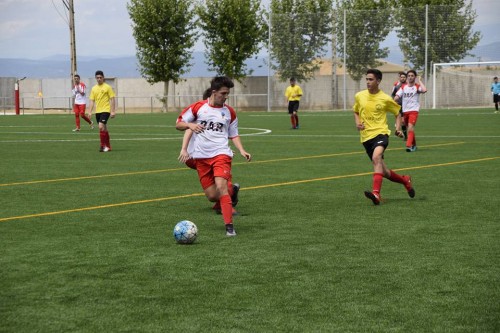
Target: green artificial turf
(86, 239)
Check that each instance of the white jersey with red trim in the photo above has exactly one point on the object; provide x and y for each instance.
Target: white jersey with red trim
(79, 93)
(410, 97)
(221, 124)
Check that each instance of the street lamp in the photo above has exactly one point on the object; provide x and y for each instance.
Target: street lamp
(16, 94)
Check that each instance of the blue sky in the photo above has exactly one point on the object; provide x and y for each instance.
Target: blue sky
(36, 29)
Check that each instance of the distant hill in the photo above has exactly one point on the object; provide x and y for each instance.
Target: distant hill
(58, 66)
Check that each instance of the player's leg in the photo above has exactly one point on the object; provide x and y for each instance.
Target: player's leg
(103, 131)
(81, 109)
(222, 174)
(375, 150)
(295, 114)
(290, 112)
(77, 117)
(411, 121)
(403, 125)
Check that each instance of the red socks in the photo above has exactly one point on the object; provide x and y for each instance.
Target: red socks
(394, 177)
(292, 119)
(227, 208)
(77, 120)
(410, 142)
(296, 120)
(105, 139)
(377, 182)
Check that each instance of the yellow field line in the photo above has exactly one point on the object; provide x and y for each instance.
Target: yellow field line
(184, 168)
(243, 189)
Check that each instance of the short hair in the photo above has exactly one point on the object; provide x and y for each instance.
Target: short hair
(99, 73)
(402, 73)
(376, 72)
(495, 78)
(207, 93)
(293, 79)
(221, 81)
(412, 71)
(76, 75)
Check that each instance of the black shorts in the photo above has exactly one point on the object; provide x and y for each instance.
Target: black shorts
(102, 117)
(496, 98)
(379, 140)
(293, 106)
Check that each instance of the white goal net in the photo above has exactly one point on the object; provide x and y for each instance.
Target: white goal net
(463, 84)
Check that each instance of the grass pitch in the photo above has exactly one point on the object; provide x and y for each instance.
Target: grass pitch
(86, 239)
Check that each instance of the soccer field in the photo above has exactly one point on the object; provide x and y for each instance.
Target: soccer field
(86, 239)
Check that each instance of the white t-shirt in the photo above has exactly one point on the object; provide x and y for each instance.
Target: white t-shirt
(221, 124)
(79, 93)
(410, 97)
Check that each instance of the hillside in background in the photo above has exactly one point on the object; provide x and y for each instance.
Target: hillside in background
(59, 66)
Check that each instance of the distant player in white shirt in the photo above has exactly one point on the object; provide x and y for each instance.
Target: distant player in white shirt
(409, 93)
(79, 93)
(213, 123)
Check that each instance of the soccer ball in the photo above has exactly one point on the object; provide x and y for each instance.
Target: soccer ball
(185, 232)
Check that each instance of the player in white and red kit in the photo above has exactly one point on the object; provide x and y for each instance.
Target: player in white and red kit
(185, 157)
(79, 90)
(213, 123)
(409, 93)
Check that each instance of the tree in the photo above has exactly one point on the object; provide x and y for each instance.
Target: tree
(300, 32)
(450, 34)
(234, 31)
(164, 31)
(367, 24)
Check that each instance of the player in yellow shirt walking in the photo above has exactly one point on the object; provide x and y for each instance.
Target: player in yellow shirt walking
(293, 93)
(103, 97)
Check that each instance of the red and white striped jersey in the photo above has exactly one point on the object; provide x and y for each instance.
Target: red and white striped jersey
(79, 91)
(221, 124)
(410, 97)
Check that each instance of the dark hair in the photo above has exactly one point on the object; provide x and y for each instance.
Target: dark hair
(412, 71)
(76, 75)
(221, 81)
(376, 72)
(207, 93)
(293, 79)
(496, 77)
(99, 73)
(402, 73)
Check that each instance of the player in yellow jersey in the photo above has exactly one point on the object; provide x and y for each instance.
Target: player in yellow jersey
(370, 115)
(293, 93)
(103, 97)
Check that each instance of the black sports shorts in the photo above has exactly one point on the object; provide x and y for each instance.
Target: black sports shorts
(379, 140)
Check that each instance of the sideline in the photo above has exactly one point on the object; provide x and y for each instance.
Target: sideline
(185, 168)
(5, 219)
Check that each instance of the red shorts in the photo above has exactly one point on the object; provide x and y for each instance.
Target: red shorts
(209, 168)
(79, 108)
(191, 163)
(410, 117)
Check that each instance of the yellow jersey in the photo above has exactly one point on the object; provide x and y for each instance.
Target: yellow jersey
(295, 90)
(101, 95)
(372, 110)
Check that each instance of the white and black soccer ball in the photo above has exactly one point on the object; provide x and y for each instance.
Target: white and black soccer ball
(185, 232)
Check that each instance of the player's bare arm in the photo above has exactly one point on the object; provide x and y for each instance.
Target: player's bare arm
(398, 131)
(184, 155)
(182, 126)
(357, 120)
(91, 106)
(113, 104)
(237, 143)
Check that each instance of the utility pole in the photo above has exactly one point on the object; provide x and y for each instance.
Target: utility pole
(71, 10)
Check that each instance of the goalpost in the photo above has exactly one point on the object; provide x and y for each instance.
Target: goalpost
(463, 84)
